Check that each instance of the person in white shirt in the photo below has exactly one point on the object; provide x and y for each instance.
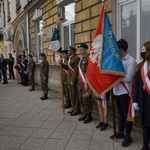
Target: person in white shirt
(122, 97)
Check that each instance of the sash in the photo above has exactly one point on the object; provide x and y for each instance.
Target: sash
(69, 67)
(145, 78)
(131, 114)
(83, 81)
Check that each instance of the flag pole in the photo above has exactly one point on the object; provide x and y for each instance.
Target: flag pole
(62, 84)
(114, 114)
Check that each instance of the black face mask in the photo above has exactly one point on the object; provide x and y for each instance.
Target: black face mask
(143, 55)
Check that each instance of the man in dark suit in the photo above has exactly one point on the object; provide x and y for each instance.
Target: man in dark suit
(11, 65)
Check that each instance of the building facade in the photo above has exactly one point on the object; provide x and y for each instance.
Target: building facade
(31, 23)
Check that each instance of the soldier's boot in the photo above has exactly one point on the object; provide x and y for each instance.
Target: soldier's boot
(88, 118)
(44, 97)
(32, 88)
(82, 117)
(67, 105)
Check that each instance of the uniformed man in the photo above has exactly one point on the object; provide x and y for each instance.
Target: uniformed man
(44, 73)
(72, 80)
(65, 81)
(30, 71)
(11, 66)
(84, 92)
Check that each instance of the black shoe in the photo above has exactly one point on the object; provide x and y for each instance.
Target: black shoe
(119, 135)
(70, 111)
(88, 118)
(32, 88)
(99, 125)
(127, 141)
(74, 113)
(145, 148)
(41, 97)
(5, 83)
(83, 116)
(67, 105)
(44, 97)
(104, 127)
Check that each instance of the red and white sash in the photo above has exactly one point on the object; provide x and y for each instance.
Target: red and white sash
(64, 71)
(131, 114)
(145, 78)
(82, 79)
(69, 67)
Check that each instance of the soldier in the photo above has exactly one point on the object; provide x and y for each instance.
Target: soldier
(84, 92)
(30, 71)
(72, 80)
(65, 81)
(44, 73)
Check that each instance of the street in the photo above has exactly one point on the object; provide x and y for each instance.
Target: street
(27, 123)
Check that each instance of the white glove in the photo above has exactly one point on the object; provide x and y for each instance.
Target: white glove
(136, 106)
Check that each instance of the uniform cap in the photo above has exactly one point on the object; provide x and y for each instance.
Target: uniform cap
(30, 55)
(83, 45)
(72, 48)
(42, 54)
(65, 51)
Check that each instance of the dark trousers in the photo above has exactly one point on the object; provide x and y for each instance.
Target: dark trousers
(146, 138)
(122, 102)
(4, 76)
(11, 72)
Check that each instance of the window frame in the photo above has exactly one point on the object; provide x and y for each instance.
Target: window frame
(8, 10)
(66, 23)
(138, 23)
(38, 34)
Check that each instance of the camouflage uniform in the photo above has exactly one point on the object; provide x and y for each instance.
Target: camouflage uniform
(30, 71)
(85, 100)
(65, 83)
(44, 72)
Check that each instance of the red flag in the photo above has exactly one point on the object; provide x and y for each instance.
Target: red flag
(102, 80)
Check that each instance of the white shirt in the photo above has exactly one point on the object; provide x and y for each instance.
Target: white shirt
(129, 65)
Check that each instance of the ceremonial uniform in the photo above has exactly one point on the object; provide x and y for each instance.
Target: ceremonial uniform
(44, 73)
(84, 94)
(30, 71)
(24, 64)
(65, 83)
(72, 78)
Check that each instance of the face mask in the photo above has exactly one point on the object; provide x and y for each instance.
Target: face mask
(143, 55)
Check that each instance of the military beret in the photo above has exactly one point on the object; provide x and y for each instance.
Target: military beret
(83, 45)
(65, 51)
(72, 48)
(42, 54)
(30, 55)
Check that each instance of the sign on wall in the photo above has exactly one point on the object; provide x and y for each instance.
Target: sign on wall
(49, 32)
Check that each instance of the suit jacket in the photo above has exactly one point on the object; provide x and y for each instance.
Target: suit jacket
(142, 97)
(3, 64)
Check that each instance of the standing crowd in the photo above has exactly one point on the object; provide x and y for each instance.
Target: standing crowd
(77, 92)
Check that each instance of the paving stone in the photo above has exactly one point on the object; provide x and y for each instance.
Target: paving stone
(50, 124)
(56, 117)
(19, 122)
(76, 144)
(14, 142)
(5, 121)
(55, 144)
(34, 123)
(81, 126)
(43, 133)
(33, 143)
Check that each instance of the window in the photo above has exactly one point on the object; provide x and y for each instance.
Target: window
(9, 8)
(39, 37)
(68, 25)
(133, 24)
(18, 4)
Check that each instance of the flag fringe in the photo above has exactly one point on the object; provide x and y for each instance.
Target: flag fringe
(130, 119)
(112, 72)
(105, 91)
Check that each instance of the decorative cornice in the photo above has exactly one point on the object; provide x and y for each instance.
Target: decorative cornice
(32, 4)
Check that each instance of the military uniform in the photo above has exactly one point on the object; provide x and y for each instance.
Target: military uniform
(30, 71)
(65, 83)
(84, 94)
(44, 73)
(72, 78)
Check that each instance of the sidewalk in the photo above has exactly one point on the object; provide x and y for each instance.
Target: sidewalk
(27, 123)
